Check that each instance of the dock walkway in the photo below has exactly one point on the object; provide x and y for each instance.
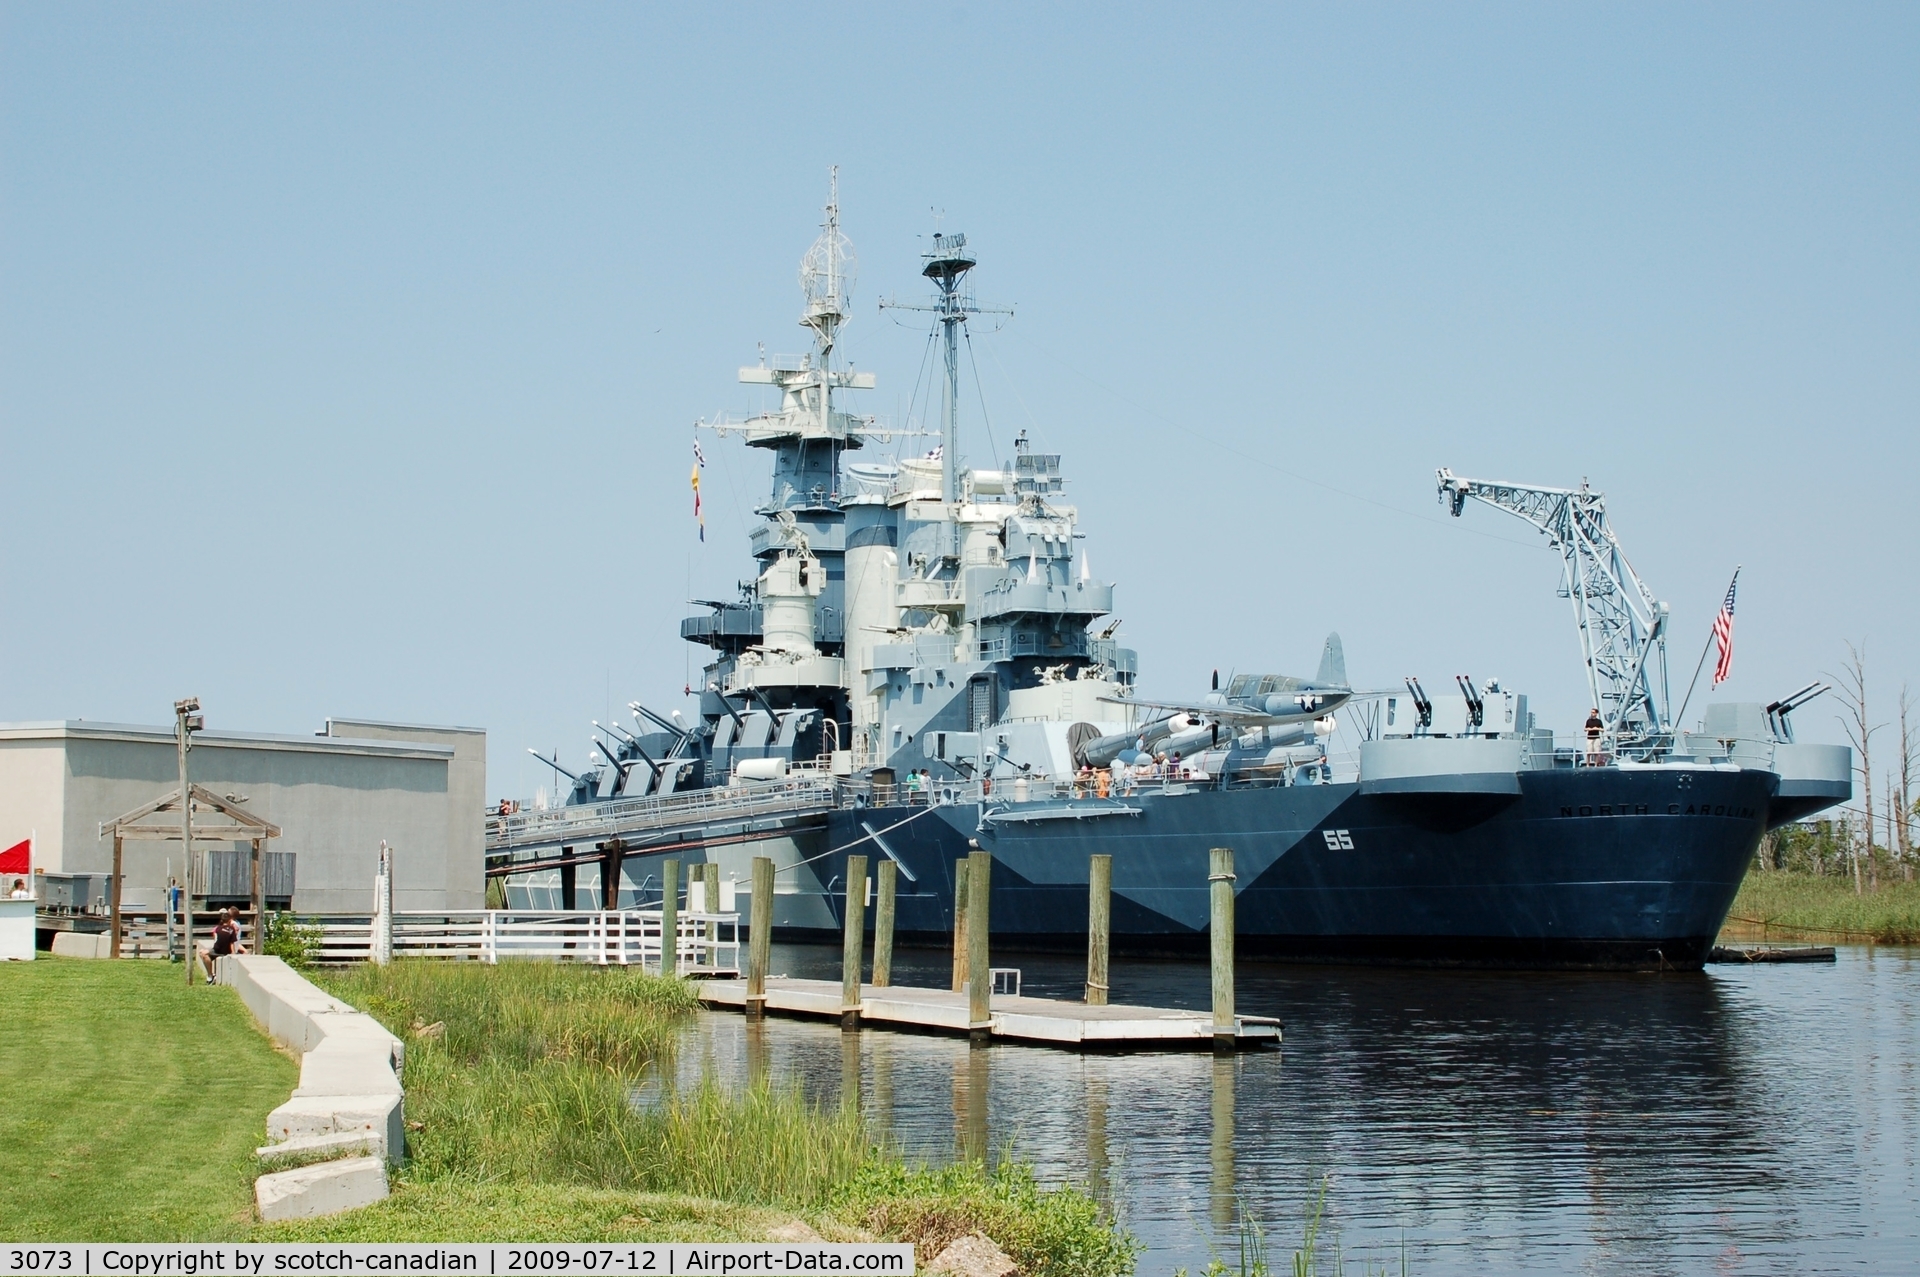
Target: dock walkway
(1038, 1021)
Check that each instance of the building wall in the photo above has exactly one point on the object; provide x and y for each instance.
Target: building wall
(466, 836)
(334, 799)
(32, 792)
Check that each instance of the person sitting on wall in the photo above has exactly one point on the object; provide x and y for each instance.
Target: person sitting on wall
(226, 940)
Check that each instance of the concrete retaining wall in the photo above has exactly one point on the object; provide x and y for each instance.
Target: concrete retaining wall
(82, 944)
(350, 1069)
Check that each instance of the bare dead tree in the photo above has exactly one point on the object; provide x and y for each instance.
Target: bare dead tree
(1903, 798)
(1860, 728)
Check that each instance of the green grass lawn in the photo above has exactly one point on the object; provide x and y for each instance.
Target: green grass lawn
(132, 1103)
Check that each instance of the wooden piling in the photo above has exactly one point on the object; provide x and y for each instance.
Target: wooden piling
(257, 940)
(889, 874)
(1220, 929)
(855, 934)
(670, 917)
(960, 875)
(1099, 921)
(119, 886)
(979, 969)
(759, 935)
(710, 932)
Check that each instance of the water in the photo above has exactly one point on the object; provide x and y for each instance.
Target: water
(1745, 1120)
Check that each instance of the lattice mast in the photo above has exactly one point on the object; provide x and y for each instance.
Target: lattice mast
(1623, 627)
(826, 277)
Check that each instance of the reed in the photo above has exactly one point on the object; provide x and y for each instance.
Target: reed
(1779, 905)
(521, 1078)
(528, 1072)
(619, 1018)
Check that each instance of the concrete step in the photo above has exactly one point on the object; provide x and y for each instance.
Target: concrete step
(323, 1189)
(364, 1143)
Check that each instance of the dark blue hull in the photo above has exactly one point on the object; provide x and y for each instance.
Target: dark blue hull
(1601, 867)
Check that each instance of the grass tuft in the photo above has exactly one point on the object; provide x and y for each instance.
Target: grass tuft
(1057, 1231)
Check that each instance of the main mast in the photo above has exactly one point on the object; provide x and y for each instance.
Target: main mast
(947, 265)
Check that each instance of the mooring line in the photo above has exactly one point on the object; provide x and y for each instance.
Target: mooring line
(870, 836)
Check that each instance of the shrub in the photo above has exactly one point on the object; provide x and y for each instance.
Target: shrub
(290, 940)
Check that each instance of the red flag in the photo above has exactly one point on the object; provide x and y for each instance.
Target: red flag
(17, 859)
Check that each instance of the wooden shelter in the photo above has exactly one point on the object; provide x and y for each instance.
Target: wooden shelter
(225, 823)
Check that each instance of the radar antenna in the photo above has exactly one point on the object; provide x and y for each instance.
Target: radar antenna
(1623, 628)
(947, 265)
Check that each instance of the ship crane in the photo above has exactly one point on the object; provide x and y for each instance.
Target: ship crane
(1623, 628)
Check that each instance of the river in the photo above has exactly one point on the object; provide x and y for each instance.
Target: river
(1753, 1119)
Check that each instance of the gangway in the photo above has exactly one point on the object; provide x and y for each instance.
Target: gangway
(584, 833)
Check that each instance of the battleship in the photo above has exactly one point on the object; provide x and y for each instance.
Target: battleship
(923, 664)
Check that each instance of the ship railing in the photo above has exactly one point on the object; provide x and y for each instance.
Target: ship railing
(706, 944)
(867, 793)
(1691, 747)
(614, 815)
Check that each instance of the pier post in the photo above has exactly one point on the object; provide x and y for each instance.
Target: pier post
(670, 917)
(960, 875)
(1220, 929)
(259, 898)
(979, 962)
(1099, 917)
(889, 874)
(119, 881)
(613, 851)
(855, 938)
(759, 936)
(710, 880)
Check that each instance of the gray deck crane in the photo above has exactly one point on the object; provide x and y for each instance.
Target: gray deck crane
(1623, 628)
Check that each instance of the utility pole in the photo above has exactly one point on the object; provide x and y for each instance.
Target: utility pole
(186, 721)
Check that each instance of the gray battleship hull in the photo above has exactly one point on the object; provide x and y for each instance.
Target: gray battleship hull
(1599, 867)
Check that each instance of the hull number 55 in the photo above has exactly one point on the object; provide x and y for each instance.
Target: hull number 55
(1338, 839)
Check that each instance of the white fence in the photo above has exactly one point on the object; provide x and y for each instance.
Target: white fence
(707, 944)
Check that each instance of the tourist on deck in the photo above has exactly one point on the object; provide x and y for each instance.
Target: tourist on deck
(20, 891)
(1594, 729)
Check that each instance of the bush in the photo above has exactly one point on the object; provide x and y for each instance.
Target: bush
(286, 938)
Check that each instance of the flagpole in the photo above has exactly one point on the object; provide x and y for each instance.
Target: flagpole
(1698, 665)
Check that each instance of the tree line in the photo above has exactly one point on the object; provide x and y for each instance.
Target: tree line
(1871, 834)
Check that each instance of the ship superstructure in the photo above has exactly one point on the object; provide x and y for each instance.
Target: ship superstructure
(922, 664)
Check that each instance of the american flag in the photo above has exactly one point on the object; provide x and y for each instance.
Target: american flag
(1723, 633)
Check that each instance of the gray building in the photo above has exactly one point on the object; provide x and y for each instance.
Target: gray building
(335, 796)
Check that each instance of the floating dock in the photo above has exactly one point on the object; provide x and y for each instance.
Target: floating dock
(1034, 1021)
(1770, 953)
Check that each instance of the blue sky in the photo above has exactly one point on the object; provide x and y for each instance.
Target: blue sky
(376, 332)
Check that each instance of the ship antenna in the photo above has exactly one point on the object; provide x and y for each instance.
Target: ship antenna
(826, 277)
(947, 265)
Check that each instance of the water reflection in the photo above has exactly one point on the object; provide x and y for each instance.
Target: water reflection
(1221, 1185)
(1748, 1119)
